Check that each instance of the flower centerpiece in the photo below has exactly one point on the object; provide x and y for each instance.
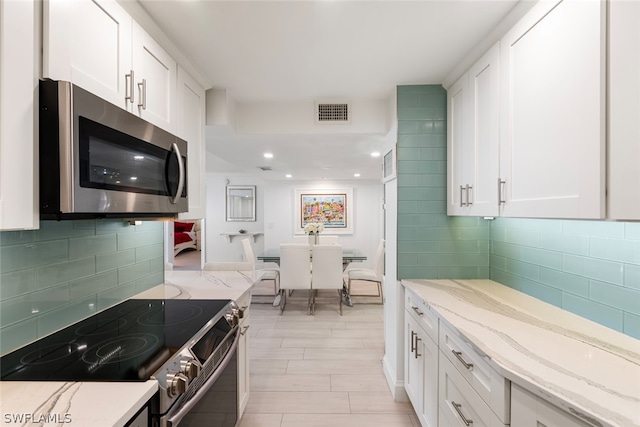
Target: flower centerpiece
(313, 229)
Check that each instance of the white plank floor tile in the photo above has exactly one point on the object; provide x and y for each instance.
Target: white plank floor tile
(323, 342)
(276, 353)
(359, 382)
(346, 420)
(289, 402)
(343, 354)
(261, 420)
(291, 383)
(376, 401)
(320, 371)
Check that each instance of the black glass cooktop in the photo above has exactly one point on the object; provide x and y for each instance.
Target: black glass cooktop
(127, 342)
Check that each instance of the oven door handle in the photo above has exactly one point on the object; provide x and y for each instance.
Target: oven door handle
(174, 420)
(181, 172)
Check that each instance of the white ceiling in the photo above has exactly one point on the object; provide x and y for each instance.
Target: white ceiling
(296, 51)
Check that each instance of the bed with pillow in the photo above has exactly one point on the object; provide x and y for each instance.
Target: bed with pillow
(186, 235)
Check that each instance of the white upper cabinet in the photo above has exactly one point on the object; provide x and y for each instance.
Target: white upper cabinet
(473, 139)
(624, 110)
(191, 124)
(97, 45)
(18, 115)
(89, 43)
(552, 138)
(155, 81)
(458, 128)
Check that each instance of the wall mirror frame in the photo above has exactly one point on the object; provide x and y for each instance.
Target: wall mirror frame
(241, 203)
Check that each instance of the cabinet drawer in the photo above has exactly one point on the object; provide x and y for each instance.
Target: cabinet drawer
(423, 314)
(528, 410)
(460, 404)
(492, 387)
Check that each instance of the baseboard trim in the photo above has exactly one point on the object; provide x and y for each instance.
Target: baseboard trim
(396, 387)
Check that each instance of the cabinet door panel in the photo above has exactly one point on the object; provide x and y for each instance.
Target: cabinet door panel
(624, 110)
(528, 410)
(191, 123)
(88, 43)
(552, 136)
(18, 113)
(155, 80)
(413, 367)
(483, 167)
(457, 146)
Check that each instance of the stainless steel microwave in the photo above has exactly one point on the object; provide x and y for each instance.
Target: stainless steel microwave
(99, 160)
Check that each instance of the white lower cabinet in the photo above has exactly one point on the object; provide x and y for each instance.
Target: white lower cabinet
(528, 410)
(459, 402)
(243, 354)
(421, 372)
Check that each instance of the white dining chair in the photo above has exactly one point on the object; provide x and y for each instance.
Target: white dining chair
(328, 239)
(327, 271)
(369, 274)
(295, 271)
(271, 270)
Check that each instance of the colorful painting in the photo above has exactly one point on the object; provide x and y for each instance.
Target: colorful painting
(328, 209)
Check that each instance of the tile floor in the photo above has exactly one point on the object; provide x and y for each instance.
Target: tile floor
(322, 370)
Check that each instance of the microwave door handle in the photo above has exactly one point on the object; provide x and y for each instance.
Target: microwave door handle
(181, 171)
(174, 419)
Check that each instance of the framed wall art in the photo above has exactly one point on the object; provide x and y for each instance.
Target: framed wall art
(329, 207)
(389, 164)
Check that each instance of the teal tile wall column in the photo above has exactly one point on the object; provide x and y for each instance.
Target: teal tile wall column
(591, 268)
(432, 245)
(65, 271)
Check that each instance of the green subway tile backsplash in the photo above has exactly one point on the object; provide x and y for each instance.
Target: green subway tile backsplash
(591, 268)
(431, 244)
(68, 270)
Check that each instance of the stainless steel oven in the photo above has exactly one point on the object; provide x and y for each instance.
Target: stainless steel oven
(98, 160)
(199, 385)
(188, 346)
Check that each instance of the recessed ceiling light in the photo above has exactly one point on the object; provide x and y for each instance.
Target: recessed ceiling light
(288, 175)
(138, 157)
(375, 154)
(133, 178)
(268, 155)
(357, 175)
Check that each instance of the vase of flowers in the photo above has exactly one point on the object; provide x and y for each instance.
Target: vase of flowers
(313, 230)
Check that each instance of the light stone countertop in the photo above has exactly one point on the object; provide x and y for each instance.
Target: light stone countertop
(572, 362)
(111, 404)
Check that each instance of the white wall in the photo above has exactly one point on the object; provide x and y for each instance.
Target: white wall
(366, 209)
(275, 215)
(217, 246)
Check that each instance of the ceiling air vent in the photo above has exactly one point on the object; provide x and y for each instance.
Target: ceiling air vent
(265, 168)
(333, 112)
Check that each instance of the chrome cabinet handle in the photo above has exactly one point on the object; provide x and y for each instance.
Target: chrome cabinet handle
(457, 407)
(128, 88)
(461, 190)
(501, 183)
(458, 354)
(469, 202)
(413, 335)
(417, 311)
(142, 91)
(181, 171)
(416, 353)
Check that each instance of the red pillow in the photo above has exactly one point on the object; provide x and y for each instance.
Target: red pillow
(179, 227)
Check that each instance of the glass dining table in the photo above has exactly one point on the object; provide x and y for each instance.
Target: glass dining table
(348, 256)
